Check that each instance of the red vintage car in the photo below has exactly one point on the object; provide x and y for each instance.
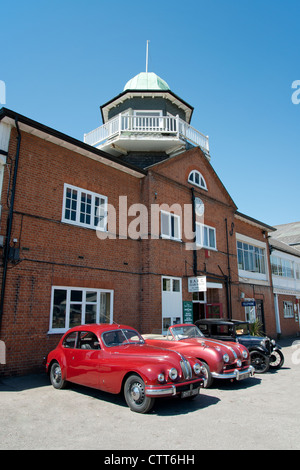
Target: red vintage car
(115, 358)
(223, 360)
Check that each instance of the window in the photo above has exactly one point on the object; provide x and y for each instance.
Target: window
(147, 120)
(84, 208)
(197, 179)
(171, 285)
(283, 267)
(288, 311)
(251, 258)
(72, 306)
(206, 236)
(170, 226)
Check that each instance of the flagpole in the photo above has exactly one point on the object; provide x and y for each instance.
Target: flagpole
(147, 56)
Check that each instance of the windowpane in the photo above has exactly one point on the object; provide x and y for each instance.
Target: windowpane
(84, 207)
(73, 307)
(251, 258)
(59, 308)
(165, 230)
(104, 307)
(176, 285)
(76, 296)
(166, 285)
(90, 313)
(197, 179)
(75, 314)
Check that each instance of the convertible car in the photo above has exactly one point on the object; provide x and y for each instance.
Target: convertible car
(115, 358)
(222, 360)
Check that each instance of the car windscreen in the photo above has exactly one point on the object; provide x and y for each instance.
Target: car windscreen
(121, 337)
(242, 329)
(186, 332)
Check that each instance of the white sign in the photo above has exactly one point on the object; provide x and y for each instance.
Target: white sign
(197, 284)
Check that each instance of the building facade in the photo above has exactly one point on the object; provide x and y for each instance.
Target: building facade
(133, 226)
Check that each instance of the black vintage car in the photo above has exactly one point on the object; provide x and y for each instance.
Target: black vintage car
(264, 352)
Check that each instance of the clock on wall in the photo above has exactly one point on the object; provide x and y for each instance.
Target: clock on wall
(199, 206)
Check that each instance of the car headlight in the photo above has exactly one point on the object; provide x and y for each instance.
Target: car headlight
(226, 358)
(173, 374)
(273, 342)
(245, 354)
(197, 368)
(161, 377)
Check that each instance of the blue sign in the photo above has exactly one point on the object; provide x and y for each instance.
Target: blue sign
(249, 303)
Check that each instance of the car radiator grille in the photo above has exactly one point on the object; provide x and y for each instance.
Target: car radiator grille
(268, 345)
(186, 369)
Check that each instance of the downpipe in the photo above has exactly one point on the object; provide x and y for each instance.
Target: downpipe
(9, 223)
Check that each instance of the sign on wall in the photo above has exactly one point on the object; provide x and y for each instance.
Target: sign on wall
(197, 284)
(188, 316)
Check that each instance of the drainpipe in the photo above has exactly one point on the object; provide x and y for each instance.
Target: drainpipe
(195, 267)
(229, 275)
(9, 222)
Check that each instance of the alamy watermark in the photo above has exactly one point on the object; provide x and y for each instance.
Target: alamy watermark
(296, 94)
(2, 353)
(161, 221)
(296, 353)
(2, 92)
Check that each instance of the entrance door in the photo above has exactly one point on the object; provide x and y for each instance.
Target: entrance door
(171, 302)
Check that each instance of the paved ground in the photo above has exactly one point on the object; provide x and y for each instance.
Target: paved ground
(262, 412)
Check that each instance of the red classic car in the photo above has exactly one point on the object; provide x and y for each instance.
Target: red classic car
(223, 360)
(115, 358)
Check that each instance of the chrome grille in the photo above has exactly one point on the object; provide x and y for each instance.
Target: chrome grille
(186, 369)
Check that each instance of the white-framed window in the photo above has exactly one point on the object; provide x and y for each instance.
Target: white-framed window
(73, 306)
(197, 179)
(206, 236)
(171, 302)
(288, 309)
(84, 208)
(147, 120)
(170, 226)
(251, 258)
(283, 267)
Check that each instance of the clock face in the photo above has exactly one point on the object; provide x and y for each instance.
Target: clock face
(199, 206)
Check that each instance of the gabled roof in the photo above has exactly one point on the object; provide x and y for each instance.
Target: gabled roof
(51, 135)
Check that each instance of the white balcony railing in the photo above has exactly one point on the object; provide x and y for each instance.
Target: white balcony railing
(126, 125)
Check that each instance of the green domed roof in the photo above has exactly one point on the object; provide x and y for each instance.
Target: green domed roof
(146, 81)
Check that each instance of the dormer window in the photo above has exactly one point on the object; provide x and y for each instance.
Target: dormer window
(197, 179)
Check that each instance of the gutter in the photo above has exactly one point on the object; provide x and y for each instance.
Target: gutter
(9, 222)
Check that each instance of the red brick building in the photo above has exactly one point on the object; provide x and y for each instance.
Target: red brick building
(170, 220)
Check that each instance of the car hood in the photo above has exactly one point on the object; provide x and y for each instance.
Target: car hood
(225, 347)
(146, 352)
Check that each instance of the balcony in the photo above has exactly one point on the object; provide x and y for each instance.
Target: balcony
(149, 133)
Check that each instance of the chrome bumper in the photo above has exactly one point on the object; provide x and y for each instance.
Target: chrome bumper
(170, 390)
(237, 374)
(162, 392)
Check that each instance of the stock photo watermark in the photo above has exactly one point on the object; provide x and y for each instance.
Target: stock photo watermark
(296, 353)
(296, 94)
(161, 221)
(2, 92)
(2, 353)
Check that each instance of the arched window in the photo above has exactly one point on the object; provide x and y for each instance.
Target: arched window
(197, 179)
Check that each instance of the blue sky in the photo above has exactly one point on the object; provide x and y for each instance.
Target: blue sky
(234, 61)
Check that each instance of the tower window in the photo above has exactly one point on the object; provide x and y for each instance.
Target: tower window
(197, 179)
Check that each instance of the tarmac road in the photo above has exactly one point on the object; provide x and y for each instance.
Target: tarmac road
(262, 412)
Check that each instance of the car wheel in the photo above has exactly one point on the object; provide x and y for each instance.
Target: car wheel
(260, 362)
(134, 393)
(56, 376)
(209, 377)
(276, 360)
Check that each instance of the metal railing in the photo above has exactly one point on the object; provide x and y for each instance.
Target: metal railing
(125, 124)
